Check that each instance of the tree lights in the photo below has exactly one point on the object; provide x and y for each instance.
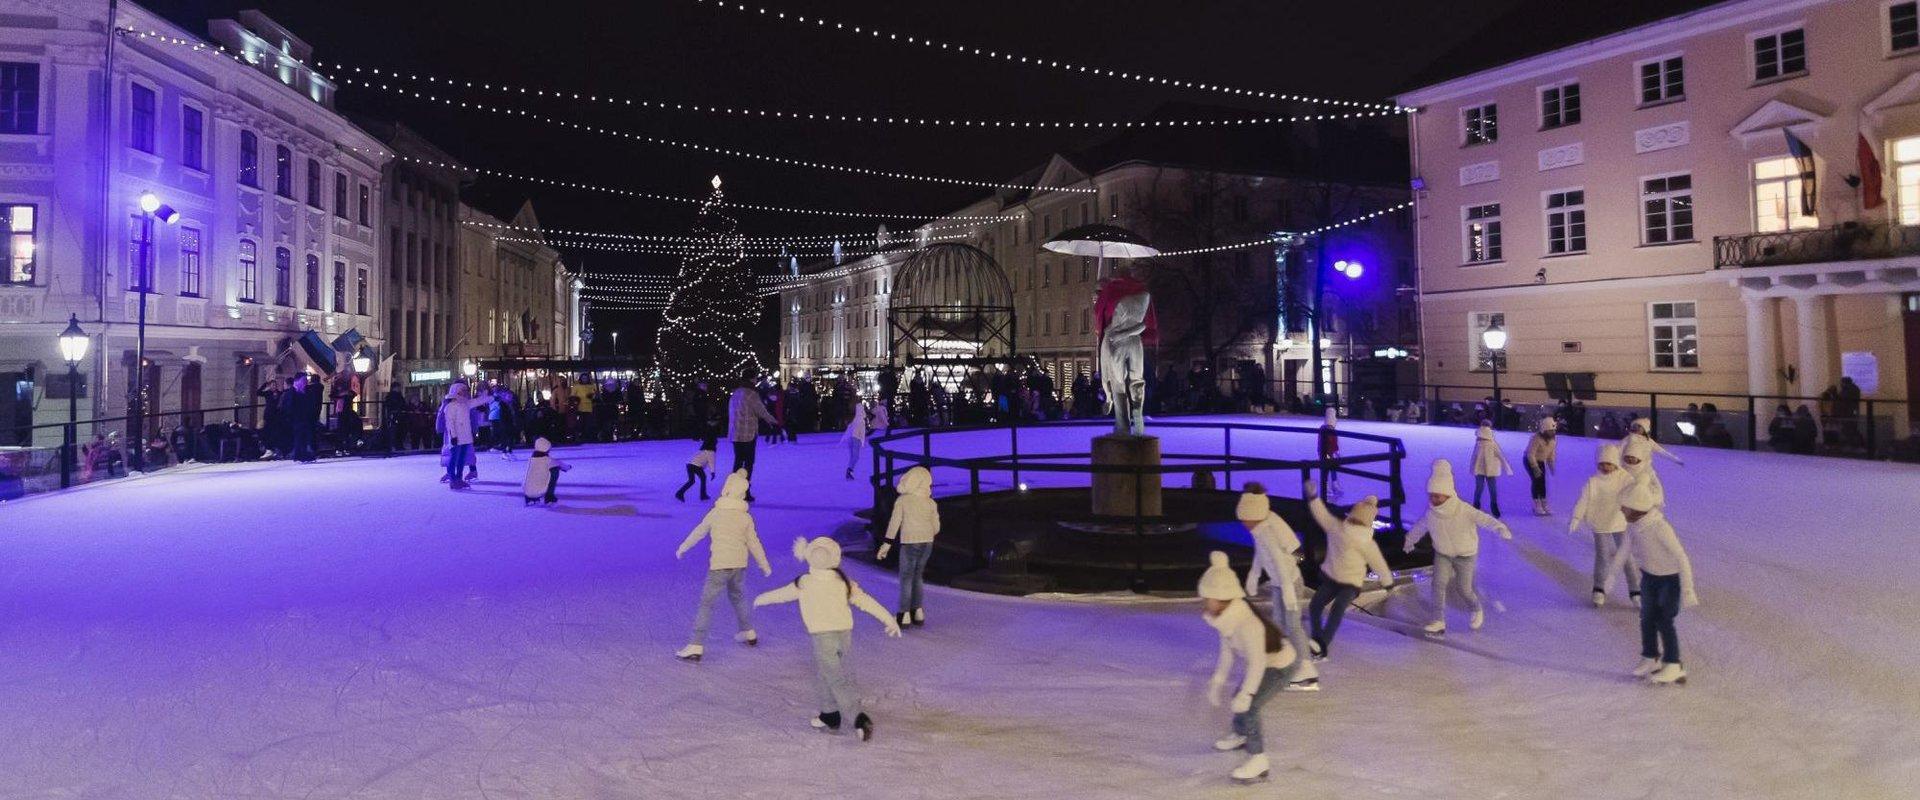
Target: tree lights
(713, 310)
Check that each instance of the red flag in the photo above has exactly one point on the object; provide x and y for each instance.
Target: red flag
(1870, 190)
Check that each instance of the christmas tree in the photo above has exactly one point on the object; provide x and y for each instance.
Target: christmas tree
(714, 307)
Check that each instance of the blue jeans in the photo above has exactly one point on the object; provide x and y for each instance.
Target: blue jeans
(913, 573)
(833, 677)
(1659, 605)
(1492, 489)
(1289, 622)
(734, 581)
(457, 457)
(1336, 594)
(1604, 546)
(1247, 723)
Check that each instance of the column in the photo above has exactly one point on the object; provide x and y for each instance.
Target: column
(1763, 359)
(1811, 314)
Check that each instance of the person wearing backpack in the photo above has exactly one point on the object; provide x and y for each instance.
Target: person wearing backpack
(826, 597)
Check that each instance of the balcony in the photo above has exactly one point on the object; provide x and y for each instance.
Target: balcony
(1850, 241)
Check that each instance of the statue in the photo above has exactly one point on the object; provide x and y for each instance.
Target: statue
(1124, 313)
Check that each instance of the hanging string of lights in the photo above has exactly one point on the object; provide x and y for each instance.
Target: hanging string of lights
(804, 240)
(689, 249)
(1047, 63)
(1275, 237)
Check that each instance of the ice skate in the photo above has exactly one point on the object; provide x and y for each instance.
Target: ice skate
(828, 722)
(1302, 685)
(458, 485)
(1318, 650)
(528, 501)
(1635, 597)
(1479, 618)
(864, 725)
(919, 617)
(1255, 770)
(1599, 598)
(1647, 667)
(849, 470)
(1540, 509)
(1435, 629)
(691, 652)
(748, 638)
(904, 619)
(1669, 674)
(1230, 743)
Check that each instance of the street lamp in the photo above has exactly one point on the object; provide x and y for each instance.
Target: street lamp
(616, 343)
(362, 363)
(468, 368)
(1495, 341)
(150, 209)
(73, 348)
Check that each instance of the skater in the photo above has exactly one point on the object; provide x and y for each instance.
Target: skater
(1351, 552)
(543, 474)
(826, 595)
(699, 468)
(1666, 578)
(1599, 508)
(504, 422)
(1276, 555)
(915, 521)
(1640, 431)
(482, 400)
(745, 413)
(1541, 452)
(1272, 664)
(734, 540)
(1634, 458)
(856, 437)
(1455, 528)
(1488, 462)
(1329, 447)
(455, 423)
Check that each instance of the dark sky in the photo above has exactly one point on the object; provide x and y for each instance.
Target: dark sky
(687, 51)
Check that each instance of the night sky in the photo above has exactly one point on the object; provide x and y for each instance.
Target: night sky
(687, 51)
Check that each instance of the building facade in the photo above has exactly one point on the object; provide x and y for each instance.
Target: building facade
(1722, 201)
(420, 213)
(513, 302)
(275, 233)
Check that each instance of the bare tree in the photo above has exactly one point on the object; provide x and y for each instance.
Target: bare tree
(1209, 304)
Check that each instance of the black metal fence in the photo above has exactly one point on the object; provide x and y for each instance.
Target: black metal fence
(1849, 241)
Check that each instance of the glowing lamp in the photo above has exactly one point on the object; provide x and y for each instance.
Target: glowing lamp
(73, 341)
(1494, 338)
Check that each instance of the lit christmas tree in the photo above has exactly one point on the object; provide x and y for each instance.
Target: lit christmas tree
(713, 308)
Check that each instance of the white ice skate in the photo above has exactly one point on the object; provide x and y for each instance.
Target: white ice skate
(919, 617)
(1435, 628)
(1669, 674)
(748, 638)
(691, 652)
(1647, 667)
(1599, 598)
(1255, 770)
(1230, 743)
(1479, 618)
(1302, 685)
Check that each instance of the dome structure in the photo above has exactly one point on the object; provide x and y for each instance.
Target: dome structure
(951, 302)
(951, 275)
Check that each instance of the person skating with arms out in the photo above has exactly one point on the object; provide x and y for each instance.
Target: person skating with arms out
(1641, 431)
(1635, 458)
(699, 468)
(1455, 528)
(1542, 451)
(1275, 555)
(1351, 552)
(1599, 509)
(734, 540)
(1666, 583)
(1488, 463)
(1271, 664)
(827, 597)
(914, 523)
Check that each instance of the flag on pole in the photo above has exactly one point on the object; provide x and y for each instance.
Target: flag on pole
(1870, 176)
(1803, 159)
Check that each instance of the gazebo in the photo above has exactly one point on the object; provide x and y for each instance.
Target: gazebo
(951, 312)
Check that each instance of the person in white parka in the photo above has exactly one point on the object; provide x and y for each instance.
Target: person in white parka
(1642, 431)
(914, 524)
(1351, 552)
(1635, 458)
(1488, 463)
(1455, 528)
(1599, 509)
(1275, 555)
(1666, 580)
(543, 474)
(734, 540)
(826, 596)
(1271, 663)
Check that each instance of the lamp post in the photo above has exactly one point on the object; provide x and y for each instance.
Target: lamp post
(150, 209)
(1495, 341)
(73, 348)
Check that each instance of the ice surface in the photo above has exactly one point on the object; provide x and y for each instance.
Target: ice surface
(353, 629)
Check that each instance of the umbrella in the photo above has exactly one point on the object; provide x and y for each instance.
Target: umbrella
(1101, 241)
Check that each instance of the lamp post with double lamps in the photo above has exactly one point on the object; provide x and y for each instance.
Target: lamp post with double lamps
(151, 209)
(73, 349)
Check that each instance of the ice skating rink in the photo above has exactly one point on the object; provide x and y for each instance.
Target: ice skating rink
(353, 629)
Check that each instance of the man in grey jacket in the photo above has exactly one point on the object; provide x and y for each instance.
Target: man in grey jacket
(745, 412)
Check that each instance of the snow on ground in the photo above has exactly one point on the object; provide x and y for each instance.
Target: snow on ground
(352, 629)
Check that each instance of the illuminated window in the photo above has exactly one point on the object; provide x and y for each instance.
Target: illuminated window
(1673, 336)
(249, 271)
(190, 262)
(22, 247)
(1666, 209)
(1482, 124)
(1778, 204)
(1483, 233)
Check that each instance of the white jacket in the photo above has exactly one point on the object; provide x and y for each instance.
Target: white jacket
(1644, 472)
(732, 529)
(857, 429)
(1351, 550)
(1488, 461)
(1599, 504)
(1242, 635)
(456, 419)
(826, 598)
(1658, 448)
(1274, 545)
(1656, 548)
(916, 517)
(540, 474)
(1455, 527)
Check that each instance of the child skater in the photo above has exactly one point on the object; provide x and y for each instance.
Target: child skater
(699, 468)
(1351, 552)
(826, 595)
(1274, 554)
(1635, 458)
(1541, 452)
(1488, 462)
(1666, 580)
(1599, 508)
(1272, 664)
(1455, 528)
(734, 539)
(543, 474)
(1640, 430)
(915, 521)
(856, 437)
(1329, 447)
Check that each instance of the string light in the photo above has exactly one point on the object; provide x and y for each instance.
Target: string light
(812, 238)
(690, 249)
(712, 309)
(1048, 63)
(1275, 237)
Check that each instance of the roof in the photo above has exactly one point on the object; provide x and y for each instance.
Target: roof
(1535, 27)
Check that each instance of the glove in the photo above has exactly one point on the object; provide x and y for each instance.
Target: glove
(1573, 527)
(1216, 691)
(893, 629)
(881, 554)
(1690, 600)
(1242, 703)
(766, 571)
(680, 553)
(1506, 533)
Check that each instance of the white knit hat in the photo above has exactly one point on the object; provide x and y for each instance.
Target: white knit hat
(736, 486)
(1638, 496)
(820, 553)
(1609, 454)
(1640, 424)
(542, 444)
(1365, 511)
(1220, 582)
(1332, 415)
(1253, 503)
(1441, 481)
(1638, 447)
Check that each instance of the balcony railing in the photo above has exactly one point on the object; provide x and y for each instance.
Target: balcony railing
(1850, 241)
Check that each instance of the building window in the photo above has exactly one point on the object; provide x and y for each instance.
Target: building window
(313, 282)
(249, 272)
(1566, 222)
(1483, 359)
(1662, 80)
(193, 138)
(1903, 26)
(1906, 179)
(140, 127)
(249, 159)
(1560, 106)
(1482, 124)
(340, 287)
(22, 246)
(340, 195)
(366, 212)
(314, 196)
(1483, 233)
(282, 276)
(140, 255)
(1780, 54)
(283, 171)
(190, 262)
(1777, 201)
(1666, 209)
(1086, 320)
(1673, 336)
(19, 97)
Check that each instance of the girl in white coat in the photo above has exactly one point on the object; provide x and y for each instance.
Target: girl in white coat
(826, 596)
(1542, 452)
(1351, 552)
(1666, 578)
(855, 438)
(734, 540)
(1455, 528)
(1640, 430)
(543, 474)
(1271, 664)
(1599, 509)
(1488, 463)
(1636, 458)
(1275, 555)
(915, 521)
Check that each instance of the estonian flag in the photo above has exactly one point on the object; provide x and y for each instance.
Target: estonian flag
(1803, 159)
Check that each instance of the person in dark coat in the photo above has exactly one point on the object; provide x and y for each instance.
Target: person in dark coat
(274, 427)
(300, 405)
